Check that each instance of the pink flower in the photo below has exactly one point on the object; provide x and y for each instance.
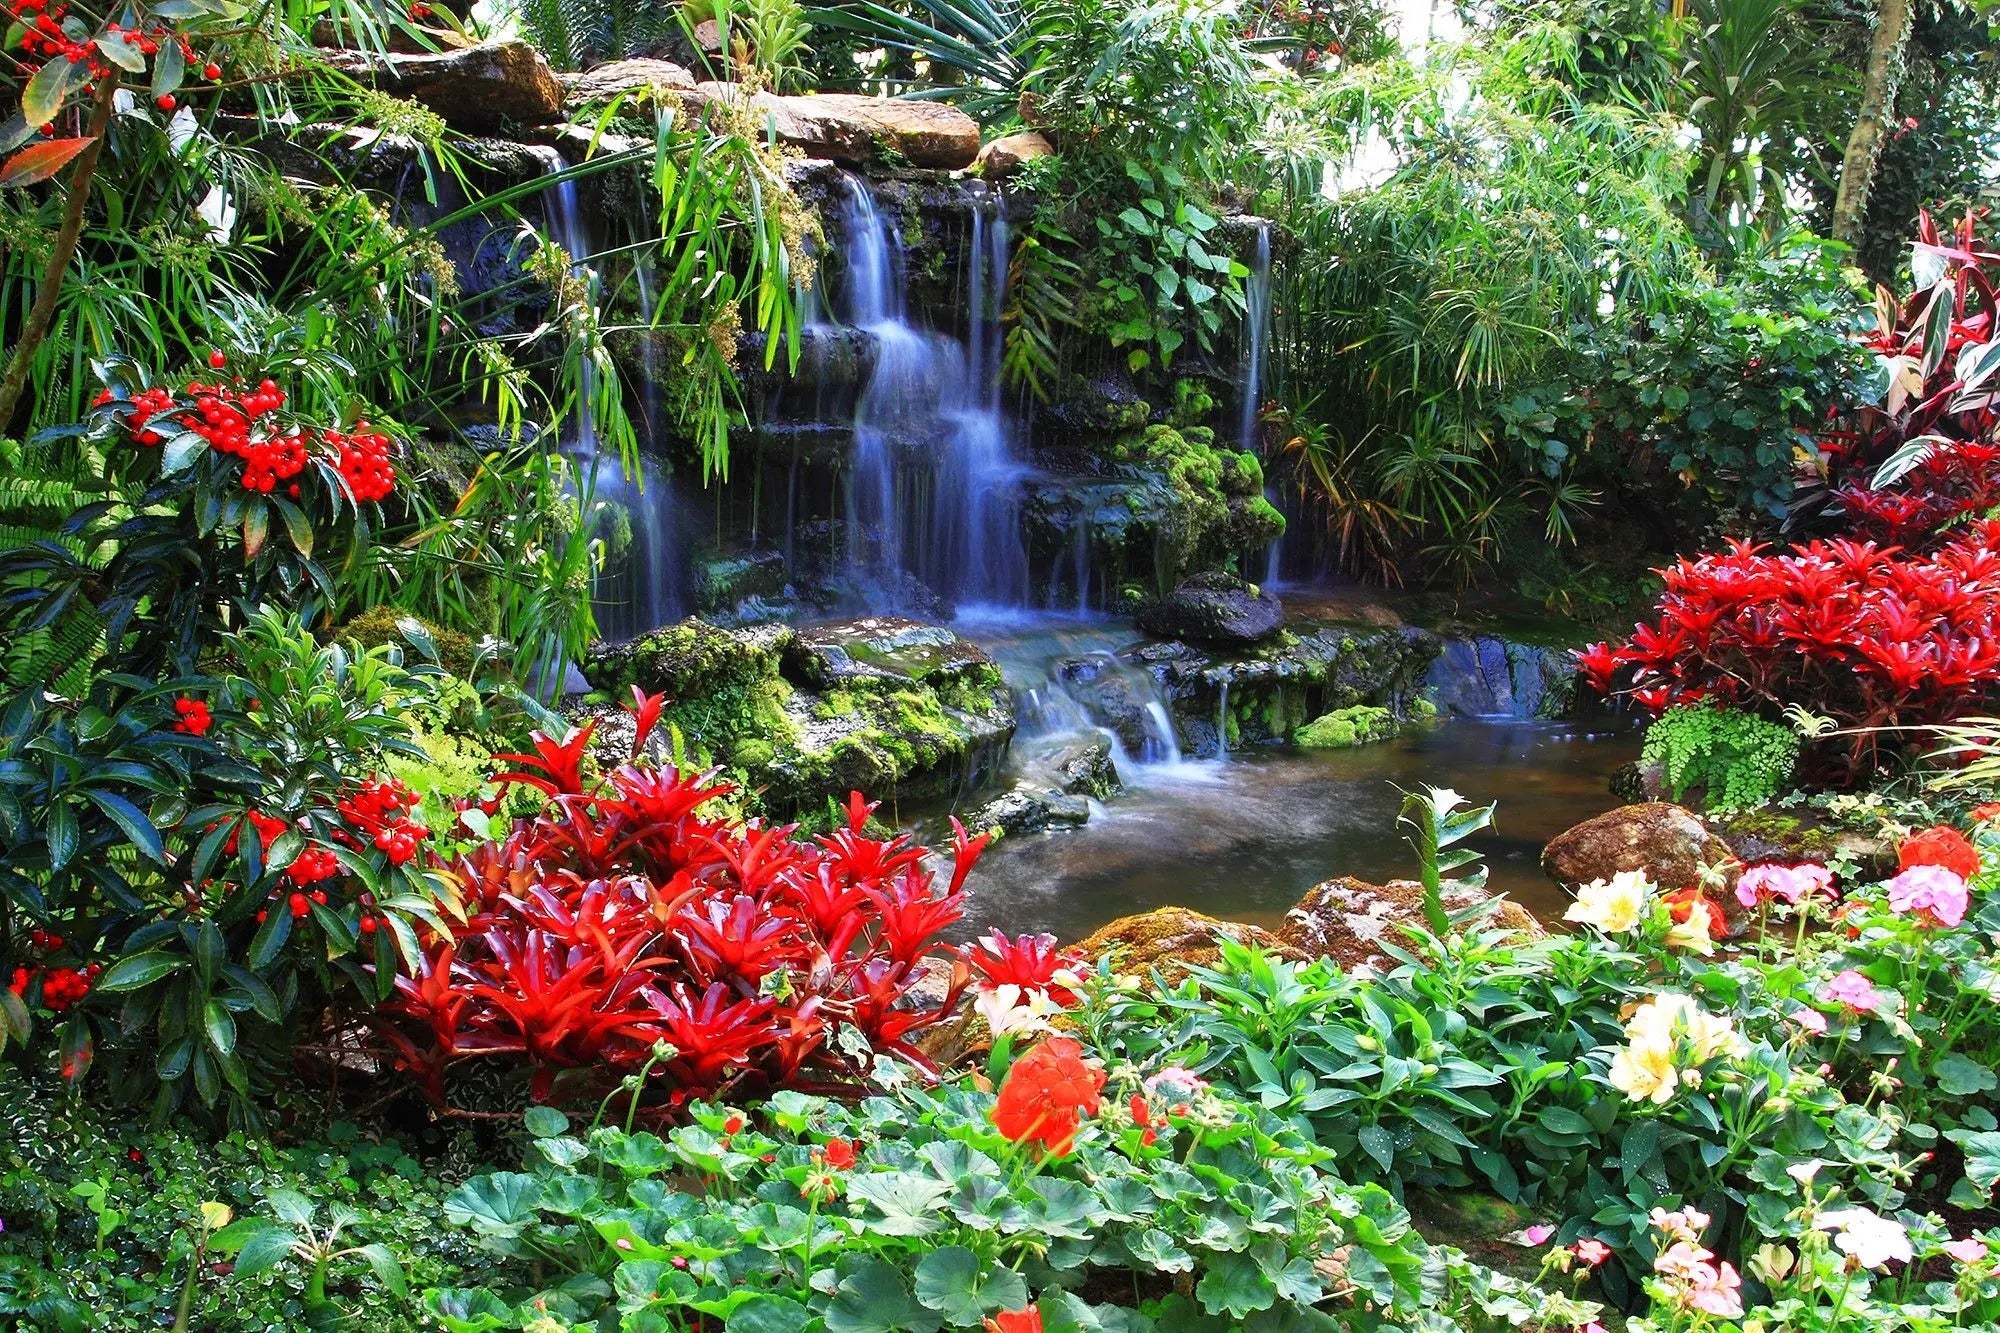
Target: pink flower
(1719, 1292)
(1811, 1022)
(1853, 992)
(1792, 884)
(1538, 1234)
(1936, 895)
(1968, 1251)
(1591, 1251)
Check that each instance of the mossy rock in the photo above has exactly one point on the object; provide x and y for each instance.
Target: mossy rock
(384, 625)
(1171, 940)
(1362, 724)
(686, 660)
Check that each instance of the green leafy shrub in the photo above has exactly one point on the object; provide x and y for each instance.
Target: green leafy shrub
(1737, 759)
(103, 1220)
(1177, 1209)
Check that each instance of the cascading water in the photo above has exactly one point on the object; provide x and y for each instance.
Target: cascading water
(932, 489)
(1256, 332)
(642, 588)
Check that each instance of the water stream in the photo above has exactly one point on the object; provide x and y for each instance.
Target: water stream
(1244, 836)
(644, 585)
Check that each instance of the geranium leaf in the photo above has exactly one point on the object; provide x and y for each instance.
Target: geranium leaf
(951, 1282)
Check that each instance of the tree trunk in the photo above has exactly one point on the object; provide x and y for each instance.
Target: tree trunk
(1878, 96)
(37, 326)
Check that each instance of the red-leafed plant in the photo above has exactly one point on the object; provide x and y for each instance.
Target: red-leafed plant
(623, 929)
(1891, 623)
(1924, 454)
(1873, 638)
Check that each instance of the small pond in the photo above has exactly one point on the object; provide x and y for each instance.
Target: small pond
(1243, 837)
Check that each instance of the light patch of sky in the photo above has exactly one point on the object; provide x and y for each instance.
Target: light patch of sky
(1419, 24)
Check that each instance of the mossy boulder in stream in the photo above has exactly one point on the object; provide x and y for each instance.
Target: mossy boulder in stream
(1361, 724)
(889, 707)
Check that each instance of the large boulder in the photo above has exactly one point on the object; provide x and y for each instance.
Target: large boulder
(1669, 843)
(641, 80)
(1171, 940)
(851, 129)
(490, 86)
(1216, 609)
(1350, 920)
(927, 134)
(1004, 156)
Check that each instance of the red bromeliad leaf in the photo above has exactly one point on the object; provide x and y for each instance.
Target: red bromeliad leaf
(38, 162)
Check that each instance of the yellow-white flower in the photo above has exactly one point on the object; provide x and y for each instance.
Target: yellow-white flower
(1692, 934)
(1613, 905)
(1668, 1038)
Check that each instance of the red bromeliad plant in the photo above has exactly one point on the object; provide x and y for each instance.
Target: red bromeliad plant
(625, 929)
(1873, 638)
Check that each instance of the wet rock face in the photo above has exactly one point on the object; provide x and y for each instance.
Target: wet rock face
(1267, 692)
(1670, 844)
(1085, 769)
(1110, 699)
(1028, 809)
(1349, 920)
(479, 88)
(888, 648)
(1485, 676)
(1173, 939)
(1215, 609)
(724, 582)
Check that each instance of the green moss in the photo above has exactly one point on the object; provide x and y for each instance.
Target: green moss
(752, 752)
(1361, 724)
(719, 685)
(383, 624)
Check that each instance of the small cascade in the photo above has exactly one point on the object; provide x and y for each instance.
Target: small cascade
(1256, 333)
(1222, 720)
(1096, 691)
(932, 489)
(642, 588)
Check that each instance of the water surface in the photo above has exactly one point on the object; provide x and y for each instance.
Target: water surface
(1243, 838)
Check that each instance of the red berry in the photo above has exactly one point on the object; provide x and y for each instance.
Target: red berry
(166, 101)
(299, 905)
(367, 925)
(217, 360)
(211, 72)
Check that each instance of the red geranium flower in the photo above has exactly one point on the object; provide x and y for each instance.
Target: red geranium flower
(1983, 813)
(1045, 1094)
(1016, 1321)
(840, 1154)
(1681, 906)
(1939, 846)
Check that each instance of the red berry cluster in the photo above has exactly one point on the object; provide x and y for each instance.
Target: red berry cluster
(43, 33)
(268, 828)
(242, 422)
(194, 719)
(380, 812)
(314, 865)
(364, 461)
(61, 986)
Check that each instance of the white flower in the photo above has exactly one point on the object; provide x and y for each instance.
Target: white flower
(1613, 905)
(1803, 1172)
(1873, 1240)
(1008, 1009)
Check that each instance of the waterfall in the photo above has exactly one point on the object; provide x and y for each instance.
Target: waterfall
(932, 487)
(641, 588)
(1095, 691)
(1222, 720)
(1256, 332)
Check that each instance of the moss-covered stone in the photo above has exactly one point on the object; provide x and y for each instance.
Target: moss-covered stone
(1216, 509)
(384, 624)
(1361, 724)
(893, 709)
